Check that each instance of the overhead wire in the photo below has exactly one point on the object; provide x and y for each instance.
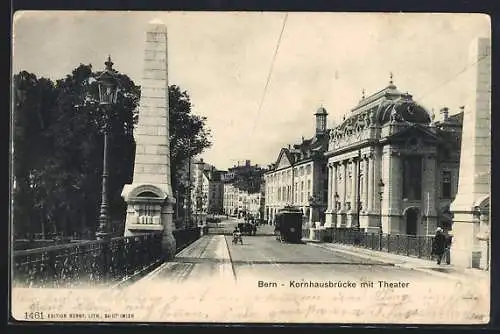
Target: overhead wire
(454, 77)
(261, 103)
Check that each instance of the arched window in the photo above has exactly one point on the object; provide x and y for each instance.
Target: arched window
(147, 194)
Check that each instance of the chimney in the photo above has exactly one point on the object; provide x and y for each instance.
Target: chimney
(247, 163)
(445, 111)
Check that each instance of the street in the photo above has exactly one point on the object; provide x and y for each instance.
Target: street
(264, 280)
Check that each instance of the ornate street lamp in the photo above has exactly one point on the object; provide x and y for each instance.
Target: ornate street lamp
(381, 193)
(108, 92)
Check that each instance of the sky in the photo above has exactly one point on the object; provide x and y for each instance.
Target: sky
(223, 61)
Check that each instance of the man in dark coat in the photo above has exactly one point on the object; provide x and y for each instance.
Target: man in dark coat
(439, 244)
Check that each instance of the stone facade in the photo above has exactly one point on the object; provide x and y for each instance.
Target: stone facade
(230, 199)
(207, 196)
(239, 183)
(256, 203)
(149, 197)
(298, 177)
(386, 163)
(471, 207)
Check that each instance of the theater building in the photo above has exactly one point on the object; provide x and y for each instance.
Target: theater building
(392, 167)
(298, 176)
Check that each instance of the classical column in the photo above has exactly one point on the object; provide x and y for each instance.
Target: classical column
(330, 194)
(354, 177)
(334, 187)
(366, 183)
(371, 182)
(344, 185)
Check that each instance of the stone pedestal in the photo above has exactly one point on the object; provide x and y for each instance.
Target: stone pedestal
(316, 234)
(465, 248)
(330, 219)
(341, 219)
(168, 243)
(351, 219)
(149, 198)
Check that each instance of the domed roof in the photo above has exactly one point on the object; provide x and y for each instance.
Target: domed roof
(321, 111)
(402, 109)
(384, 106)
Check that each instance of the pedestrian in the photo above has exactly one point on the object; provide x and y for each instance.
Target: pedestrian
(439, 245)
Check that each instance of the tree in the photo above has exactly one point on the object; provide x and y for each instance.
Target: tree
(58, 146)
(58, 149)
(189, 137)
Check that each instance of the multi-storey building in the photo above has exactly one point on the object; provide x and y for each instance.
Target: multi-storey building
(207, 194)
(240, 182)
(391, 168)
(230, 205)
(256, 205)
(298, 177)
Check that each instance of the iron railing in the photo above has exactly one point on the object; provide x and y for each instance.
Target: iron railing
(185, 237)
(402, 244)
(95, 262)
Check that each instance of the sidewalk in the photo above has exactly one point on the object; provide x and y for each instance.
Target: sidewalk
(412, 263)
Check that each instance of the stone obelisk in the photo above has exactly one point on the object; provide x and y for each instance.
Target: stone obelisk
(149, 198)
(470, 247)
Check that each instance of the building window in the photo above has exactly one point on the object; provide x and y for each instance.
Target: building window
(412, 177)
(308, 169)
(446, 184)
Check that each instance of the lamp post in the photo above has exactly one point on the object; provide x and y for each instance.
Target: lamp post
(108, 92)
(380, 230)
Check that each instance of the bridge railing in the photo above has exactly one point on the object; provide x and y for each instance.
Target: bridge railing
(401, 244)
(94, 262)
(185, 237)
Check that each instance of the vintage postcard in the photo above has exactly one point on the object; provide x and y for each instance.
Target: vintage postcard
(250, 167)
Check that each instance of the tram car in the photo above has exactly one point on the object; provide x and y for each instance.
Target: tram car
(288, 225)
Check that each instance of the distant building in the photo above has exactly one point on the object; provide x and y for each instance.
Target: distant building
(240, 182)
(207, 193)
(256, 204)
(230, 205)
(391, 167)
(298, 177)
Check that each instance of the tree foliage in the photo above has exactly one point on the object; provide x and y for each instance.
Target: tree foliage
(189, 136)
(58, 148)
